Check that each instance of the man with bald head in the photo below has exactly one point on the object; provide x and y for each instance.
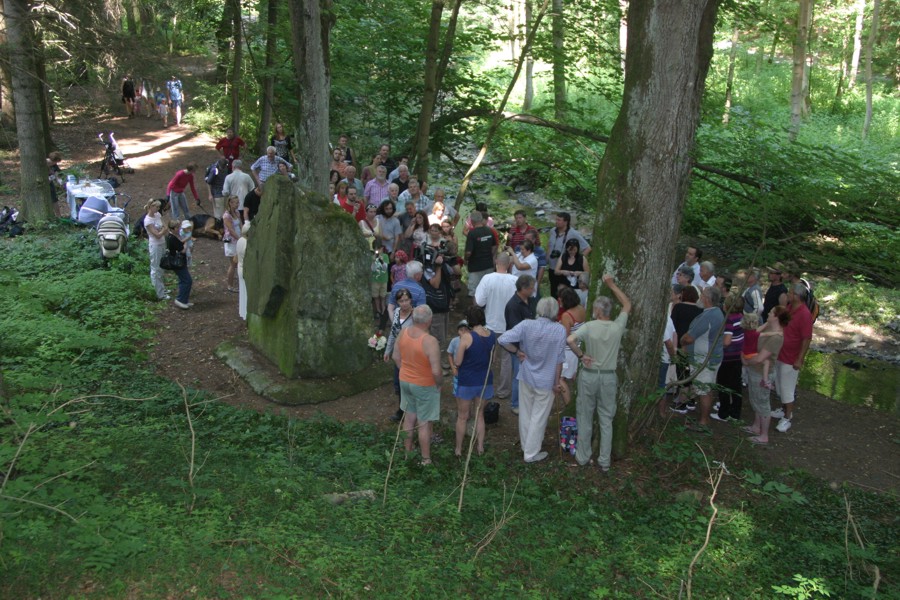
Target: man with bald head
(493, 293)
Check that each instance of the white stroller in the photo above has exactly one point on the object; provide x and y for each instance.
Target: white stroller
(111, 222)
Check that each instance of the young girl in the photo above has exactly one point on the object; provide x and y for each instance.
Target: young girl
(398, 269)
(379, 282)
(232, 222)
(162, 107)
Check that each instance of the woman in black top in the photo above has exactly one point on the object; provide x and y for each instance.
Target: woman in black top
(175, 245)
(684, 311)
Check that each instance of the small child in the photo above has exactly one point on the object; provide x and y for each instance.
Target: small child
(584, 285)
(398, 269)
(752, 331)
(162, 107)
(186, 235)
(379, 282)
(461, 328)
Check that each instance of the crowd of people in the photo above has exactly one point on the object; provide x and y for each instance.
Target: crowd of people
(513, 344)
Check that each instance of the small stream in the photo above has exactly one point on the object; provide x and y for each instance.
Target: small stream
(866, 382)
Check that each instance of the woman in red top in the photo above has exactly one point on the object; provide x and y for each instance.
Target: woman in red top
(175, 191)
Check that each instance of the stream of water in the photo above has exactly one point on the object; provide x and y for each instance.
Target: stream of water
(871, 383)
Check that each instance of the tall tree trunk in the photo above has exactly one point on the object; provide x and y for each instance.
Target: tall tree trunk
(130, 21)
(268, 97)
(798, 74)
(35, 183)
(857, 42)
(145, 18)
(7, 110)
(47, 111)
(559, 61)
(223, 42)
(870, 46)
(842, 77)
(529, 64)
(447, 50)
(807, 62)
(729, 82)
(310, 26)
(776, 37)
(623, 33)
(429, 95)
(511, 28)
(644, 177)
(237, 59)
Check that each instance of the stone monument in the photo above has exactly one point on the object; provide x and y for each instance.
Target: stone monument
(307, 271)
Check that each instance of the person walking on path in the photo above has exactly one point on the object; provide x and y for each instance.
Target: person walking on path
(417, 355)
(176, 97)
(597, 381)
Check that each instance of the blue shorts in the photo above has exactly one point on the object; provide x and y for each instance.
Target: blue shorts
(470, 392)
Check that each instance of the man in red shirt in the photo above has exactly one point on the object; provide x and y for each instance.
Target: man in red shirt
(518, 231)
(230, 146)
(175, 191)
(797, 336)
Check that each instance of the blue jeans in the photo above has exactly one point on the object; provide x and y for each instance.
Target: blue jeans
(179, 207)
(184, 285)
(514, 396)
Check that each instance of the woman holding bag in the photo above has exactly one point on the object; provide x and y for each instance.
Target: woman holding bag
(156, 236)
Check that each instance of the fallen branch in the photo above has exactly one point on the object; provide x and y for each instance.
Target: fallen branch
(714, 481)
(505, 517)
(871, 569)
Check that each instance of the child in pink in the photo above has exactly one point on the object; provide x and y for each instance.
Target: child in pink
(398, 269)
(750, 325)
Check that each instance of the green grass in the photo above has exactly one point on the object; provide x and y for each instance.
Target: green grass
(99, 501)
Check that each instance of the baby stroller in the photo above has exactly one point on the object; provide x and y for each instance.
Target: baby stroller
(111, 222)
(113, 159)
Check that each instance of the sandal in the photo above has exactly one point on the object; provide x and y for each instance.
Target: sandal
(749, 430)
(755, 440)
(425, 462)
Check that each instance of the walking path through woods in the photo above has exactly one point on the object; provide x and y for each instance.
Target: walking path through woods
(833, 441)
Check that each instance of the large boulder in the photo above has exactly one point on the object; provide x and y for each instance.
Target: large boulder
(307, 275)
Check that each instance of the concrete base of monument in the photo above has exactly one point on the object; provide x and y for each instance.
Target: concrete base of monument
(268, 382)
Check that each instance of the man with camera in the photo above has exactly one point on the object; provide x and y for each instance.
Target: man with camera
(436, 282)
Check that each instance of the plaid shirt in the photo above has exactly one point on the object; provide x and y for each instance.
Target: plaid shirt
(376, 193)
(264, 168)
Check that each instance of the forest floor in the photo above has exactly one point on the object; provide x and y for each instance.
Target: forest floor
(833, 441)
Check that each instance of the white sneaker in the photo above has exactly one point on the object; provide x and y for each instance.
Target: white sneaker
(783, 425)
(515, 410)
(538, 457)
(778, 413)
(181, 305)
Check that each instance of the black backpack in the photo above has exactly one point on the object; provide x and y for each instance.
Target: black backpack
(212, 171)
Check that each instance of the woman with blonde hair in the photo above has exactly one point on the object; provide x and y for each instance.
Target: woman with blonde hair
(156, 236)
(232, 222)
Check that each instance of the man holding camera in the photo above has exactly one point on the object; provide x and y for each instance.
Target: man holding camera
(436, 282)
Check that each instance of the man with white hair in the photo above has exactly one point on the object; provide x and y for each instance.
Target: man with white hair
(415, 194)
(540, 345)
(753, 299)
(414, 271)
(402, 178)
(352, 182)
(417, 355)
(707, 275)
(377, 189)
(703, 342)
(267, 165)
(597, 382)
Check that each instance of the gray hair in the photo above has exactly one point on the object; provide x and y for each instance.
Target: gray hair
(713, 294)
(524, 281)
(754, 273)
(502, 258)
(422, 314)
(547, 308)
(603, 306)
(237, 163)
(270, 149)
(585, 278)
(799, 289)
(476, 217)
(708, 266)
(413, 268)
(687, 272)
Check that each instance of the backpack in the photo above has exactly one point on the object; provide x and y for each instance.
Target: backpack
(212, 171)
(811, 303)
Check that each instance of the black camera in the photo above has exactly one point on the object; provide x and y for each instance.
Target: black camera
(555, 254)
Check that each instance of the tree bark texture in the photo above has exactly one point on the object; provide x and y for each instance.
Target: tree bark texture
(35, 183)
(559, 61)
(857, 42)
(7, 110)
(223, 42)
(429, 94)
(237, 59)
(643, 181)
(310, 26)
(798, 73)
(870, 47)
(268, 97)
(623, 33)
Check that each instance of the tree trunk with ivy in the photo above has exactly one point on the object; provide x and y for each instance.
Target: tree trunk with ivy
(34, 189)
(643, 181)
(310, 27)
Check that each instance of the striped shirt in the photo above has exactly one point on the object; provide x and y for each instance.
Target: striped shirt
(544, 342)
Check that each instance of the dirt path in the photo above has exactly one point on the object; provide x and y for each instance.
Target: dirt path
(831, 440)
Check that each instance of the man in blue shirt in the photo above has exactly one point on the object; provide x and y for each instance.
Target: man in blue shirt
(176, 96)
(414, 270)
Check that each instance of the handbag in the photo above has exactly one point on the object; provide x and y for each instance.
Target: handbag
(173, 262)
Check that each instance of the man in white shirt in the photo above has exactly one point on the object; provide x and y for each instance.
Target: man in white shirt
(525, 262)
(238, 183)
(691, 259)
(493, 292)
(707, 275)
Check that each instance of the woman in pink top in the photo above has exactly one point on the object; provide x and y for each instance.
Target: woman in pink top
(175, 191)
